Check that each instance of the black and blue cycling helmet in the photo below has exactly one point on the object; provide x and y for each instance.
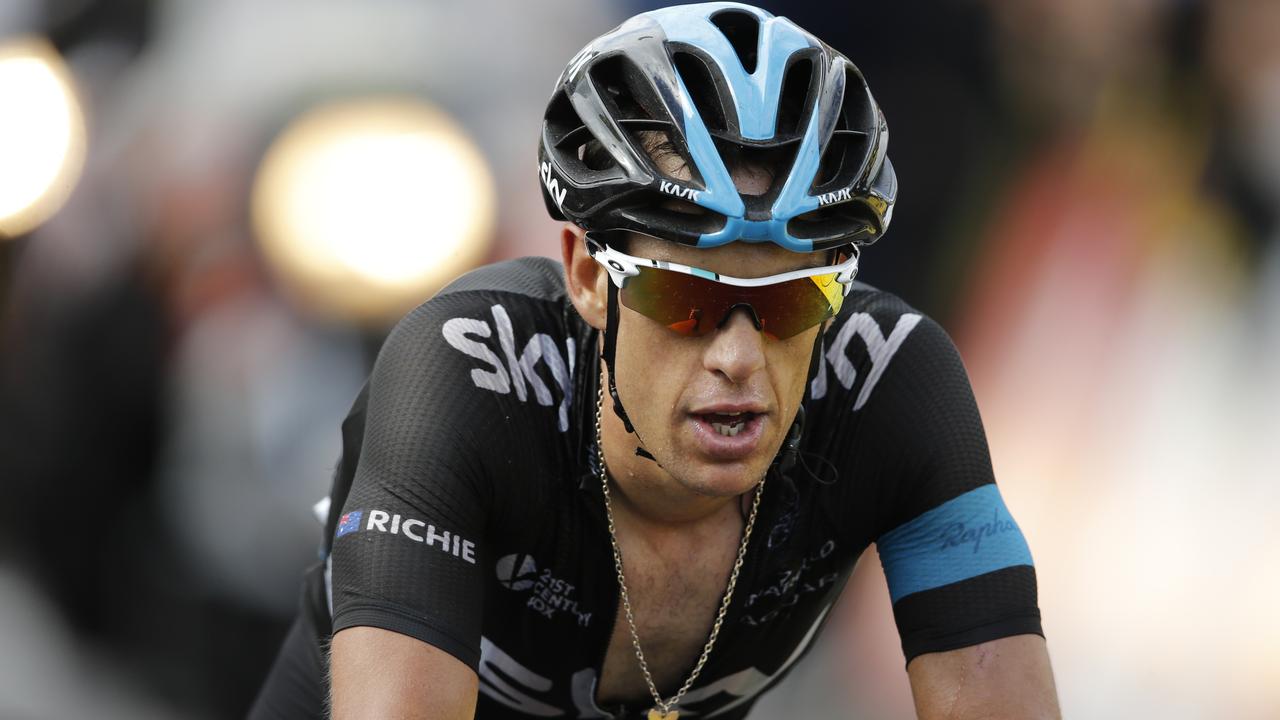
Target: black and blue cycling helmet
(716, 79)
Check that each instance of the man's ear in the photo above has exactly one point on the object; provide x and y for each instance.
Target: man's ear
(585, 280)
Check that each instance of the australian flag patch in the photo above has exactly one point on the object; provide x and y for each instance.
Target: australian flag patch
(349, 523)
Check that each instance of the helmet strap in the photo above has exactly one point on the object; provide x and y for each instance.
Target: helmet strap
(608, 355)
(610, 351)
(815, 360)
(789, 452)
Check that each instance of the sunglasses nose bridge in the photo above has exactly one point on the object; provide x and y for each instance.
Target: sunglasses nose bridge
(751, 313)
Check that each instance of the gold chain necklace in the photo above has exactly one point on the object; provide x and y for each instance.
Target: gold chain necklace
(665, 709)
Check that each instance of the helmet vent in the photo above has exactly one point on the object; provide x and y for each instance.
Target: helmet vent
(702, 89)
(858, 109)
(795, 103)
(575, 150)
(615, 80)
(835, 221)
(743, 31)
(655, 210)
(850, 143)
(595, 157)
(832, 161)
(561, 119)
(628, 98)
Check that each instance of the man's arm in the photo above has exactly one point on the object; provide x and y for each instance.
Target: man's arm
(377, 673)
(1005, 678)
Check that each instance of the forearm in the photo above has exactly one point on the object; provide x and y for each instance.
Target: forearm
(380, 674)
(1006, 678)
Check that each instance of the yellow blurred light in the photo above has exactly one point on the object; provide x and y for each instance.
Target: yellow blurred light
(42, 134)
(365, 208)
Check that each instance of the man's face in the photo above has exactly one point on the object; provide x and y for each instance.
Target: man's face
(684, 393)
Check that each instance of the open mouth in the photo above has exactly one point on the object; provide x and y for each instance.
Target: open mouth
(728, 424)
(729, 435)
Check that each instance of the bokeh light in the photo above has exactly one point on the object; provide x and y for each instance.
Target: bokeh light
(42, 134)
(366, 207)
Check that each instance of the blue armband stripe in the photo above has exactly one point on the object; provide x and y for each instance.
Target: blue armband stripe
(969, 535)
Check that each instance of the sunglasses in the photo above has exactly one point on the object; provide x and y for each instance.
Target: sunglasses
(692, 302)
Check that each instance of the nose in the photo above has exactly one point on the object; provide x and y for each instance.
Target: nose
(736, 350)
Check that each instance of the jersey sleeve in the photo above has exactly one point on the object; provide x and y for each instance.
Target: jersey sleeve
(407, 542)
(958, 567)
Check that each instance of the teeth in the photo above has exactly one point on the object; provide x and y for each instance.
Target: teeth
(729, 430)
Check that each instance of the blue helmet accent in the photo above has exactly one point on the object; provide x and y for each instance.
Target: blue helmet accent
(755, 94)
(721, 195)
(713, 81)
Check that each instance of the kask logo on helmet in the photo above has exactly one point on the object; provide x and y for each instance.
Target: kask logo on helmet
(835, 196)
(671, 188)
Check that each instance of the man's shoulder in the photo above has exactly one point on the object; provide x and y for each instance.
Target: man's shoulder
(868, 299)
(504, 332)
(873, 332)
(537, 278)
(504, 303)
(877, 316)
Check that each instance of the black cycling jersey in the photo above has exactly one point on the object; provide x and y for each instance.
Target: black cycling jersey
(467, 512)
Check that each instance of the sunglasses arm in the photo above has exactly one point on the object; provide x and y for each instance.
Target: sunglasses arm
(619, 268)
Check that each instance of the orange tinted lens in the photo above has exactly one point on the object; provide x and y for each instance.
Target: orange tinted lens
(695, 306)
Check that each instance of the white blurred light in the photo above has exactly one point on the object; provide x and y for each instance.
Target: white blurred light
(42, 134)
(365, 208)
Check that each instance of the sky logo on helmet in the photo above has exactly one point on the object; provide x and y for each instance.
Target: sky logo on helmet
(671, 188)
(553, 184)
(835, 197)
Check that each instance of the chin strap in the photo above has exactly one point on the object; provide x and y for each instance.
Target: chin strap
(788, 455)
(610, 349)
(786, 458)
(607, 354)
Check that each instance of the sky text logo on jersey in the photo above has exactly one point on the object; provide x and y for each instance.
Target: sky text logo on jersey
(411, 528)
(518, 370)
(874, 354)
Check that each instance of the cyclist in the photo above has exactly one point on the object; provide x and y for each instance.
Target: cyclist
(634, 486)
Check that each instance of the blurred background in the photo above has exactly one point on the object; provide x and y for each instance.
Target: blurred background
(212, 212)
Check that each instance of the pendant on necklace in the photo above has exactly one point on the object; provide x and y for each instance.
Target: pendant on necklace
(656, 714)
